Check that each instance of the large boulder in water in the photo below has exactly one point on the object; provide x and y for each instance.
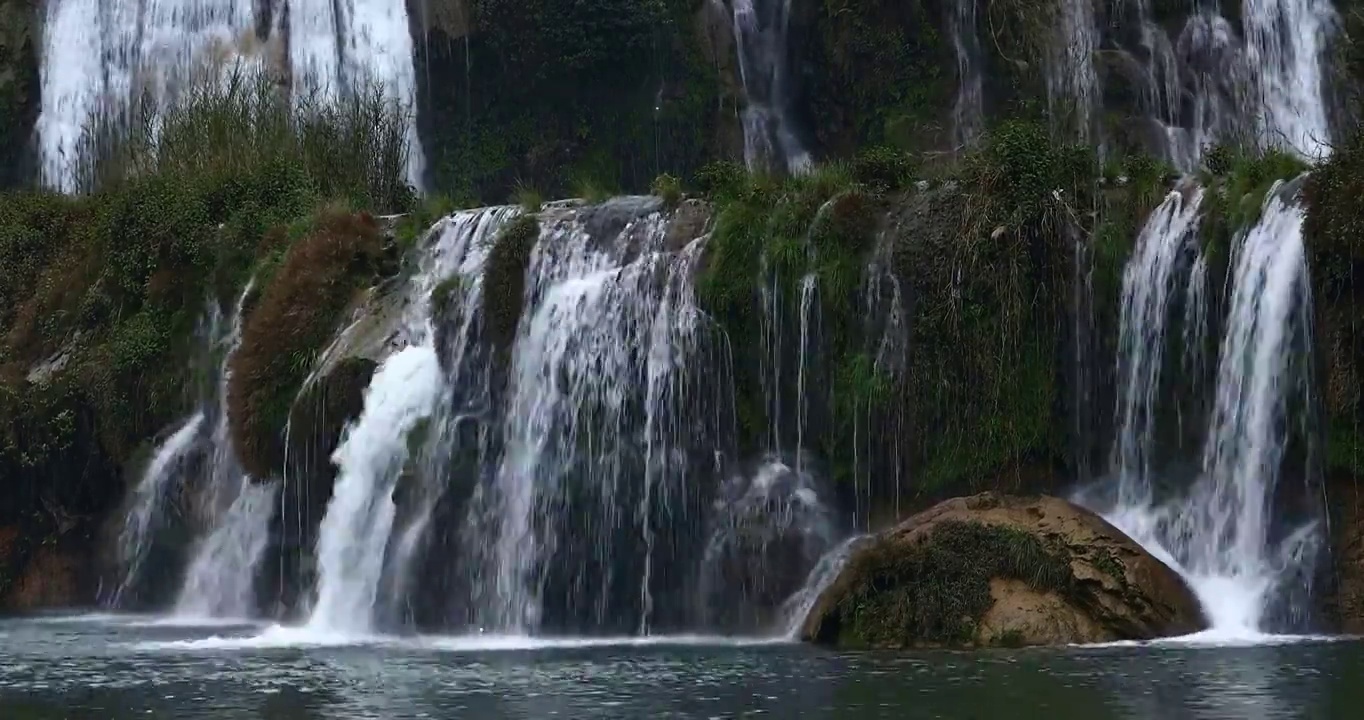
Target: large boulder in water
(998, 570)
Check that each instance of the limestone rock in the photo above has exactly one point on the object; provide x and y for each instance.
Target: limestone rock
(999, 570)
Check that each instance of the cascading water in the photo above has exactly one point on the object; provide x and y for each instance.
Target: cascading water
(370, 459)
(1146, 293)
(341, 48)
(1072, 81)
(134, 541)
(1230, 548)
(579, 433)
(1285, 46)
(769, 528)
(102, 60)
(968, 114)
(1221, 533)
(220, 580)
(760, 31)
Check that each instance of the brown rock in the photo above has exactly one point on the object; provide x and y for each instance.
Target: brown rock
(999, 570)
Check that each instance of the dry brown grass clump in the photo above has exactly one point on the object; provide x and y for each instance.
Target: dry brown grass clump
(295, 317)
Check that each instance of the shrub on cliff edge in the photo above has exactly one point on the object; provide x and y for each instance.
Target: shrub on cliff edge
(295, 317)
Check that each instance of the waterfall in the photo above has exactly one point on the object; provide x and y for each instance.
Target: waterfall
(150, 494)
(371, 456)
(1071, 79)
(221, 578)
(1230, 550)
(809, 290)
(1147, 290)
(822, 575)
(607, 315)
(1285, 45)
(457, 256)
(968, 114)
(769, 528)
(102, 60)
(220, 581)
(770, 140)
(340, 48)
(1221, 533)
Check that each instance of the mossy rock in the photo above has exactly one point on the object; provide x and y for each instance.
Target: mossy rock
(318, 418)
(504, 280)
(995, 570)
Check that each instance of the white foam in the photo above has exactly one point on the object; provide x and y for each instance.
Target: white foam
(280, 636)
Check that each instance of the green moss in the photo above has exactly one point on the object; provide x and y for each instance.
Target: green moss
(990, 263)
(1238, 180)
(882, 168)
(504, 280)
(444, 294)
(936, 592)
(1106, 563)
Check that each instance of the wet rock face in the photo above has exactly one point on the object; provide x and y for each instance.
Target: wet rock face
(999, 570)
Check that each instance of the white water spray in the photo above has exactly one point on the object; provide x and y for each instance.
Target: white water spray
(370, 459)
(149, 496)
(221, 578)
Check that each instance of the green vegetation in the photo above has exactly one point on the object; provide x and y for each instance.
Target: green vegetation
(504, 280)
(413, 225)
(987, 255)
(19, 86)
(1238, 180)
(528, 198)
(991, 261)
(668, 188)
(614, 90)
(937, 592)
(1334, 235)
(103, 290)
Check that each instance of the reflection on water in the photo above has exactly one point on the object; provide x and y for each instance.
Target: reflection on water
(114, 668)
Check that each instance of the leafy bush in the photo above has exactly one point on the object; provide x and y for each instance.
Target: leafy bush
(668, 188)
(882, 168)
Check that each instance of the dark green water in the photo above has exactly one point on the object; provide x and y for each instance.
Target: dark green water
(94, 668)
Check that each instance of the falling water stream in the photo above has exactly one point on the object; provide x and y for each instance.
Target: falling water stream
(1220, 532)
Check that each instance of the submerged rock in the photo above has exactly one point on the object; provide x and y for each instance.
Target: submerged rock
(998, 570)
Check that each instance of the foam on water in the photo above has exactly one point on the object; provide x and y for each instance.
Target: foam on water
(280, 636)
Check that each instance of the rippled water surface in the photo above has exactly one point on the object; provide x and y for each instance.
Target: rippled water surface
(117, 668)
